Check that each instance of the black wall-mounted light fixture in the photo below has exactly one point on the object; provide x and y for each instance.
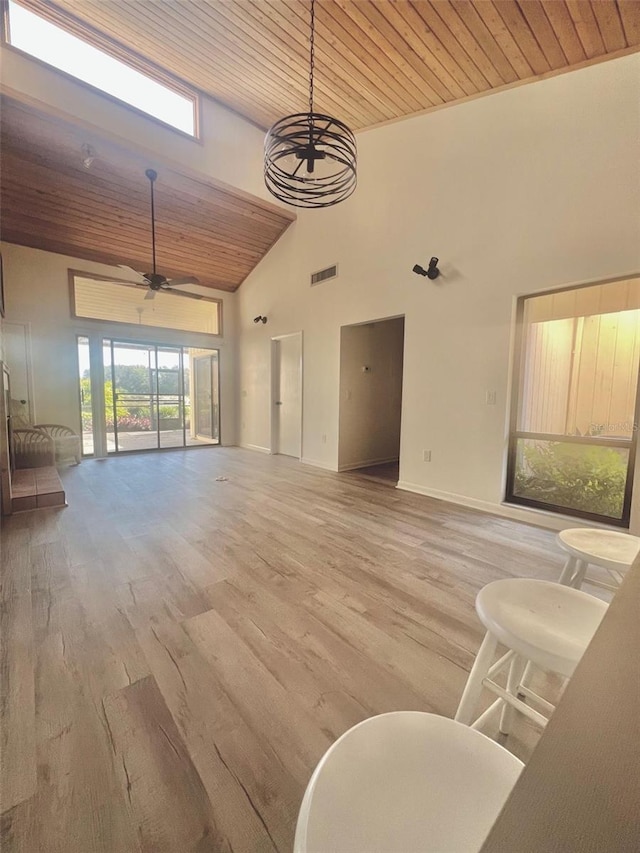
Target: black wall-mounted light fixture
(432, 270)
(259, 319)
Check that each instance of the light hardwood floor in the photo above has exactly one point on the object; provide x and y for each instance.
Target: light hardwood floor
(178, 651)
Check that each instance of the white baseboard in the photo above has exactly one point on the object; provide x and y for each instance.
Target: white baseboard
(317, 464)
(257, 447)
(352, 466)
(537, 517)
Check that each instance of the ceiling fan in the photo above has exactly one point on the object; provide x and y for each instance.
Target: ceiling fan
(154, 281)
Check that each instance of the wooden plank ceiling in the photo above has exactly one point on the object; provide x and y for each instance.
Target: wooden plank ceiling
(376, 60)
(49, 200)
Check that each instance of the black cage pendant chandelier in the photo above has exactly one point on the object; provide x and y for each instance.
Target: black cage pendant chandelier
(310, 158)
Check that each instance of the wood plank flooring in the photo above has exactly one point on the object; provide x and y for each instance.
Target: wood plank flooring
(179, 650)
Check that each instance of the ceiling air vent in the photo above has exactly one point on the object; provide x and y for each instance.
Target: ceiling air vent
(324, 275)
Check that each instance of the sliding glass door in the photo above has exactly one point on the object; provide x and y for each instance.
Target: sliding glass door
(130, 397)
(574, 418)
(149, 393)
(205, 387)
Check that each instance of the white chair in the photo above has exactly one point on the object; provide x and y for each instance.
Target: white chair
(32, 448)
(405, 782)
(66, 443)
(608, 549)
(542, 624)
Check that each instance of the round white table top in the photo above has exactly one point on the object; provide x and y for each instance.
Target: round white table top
(606, 548)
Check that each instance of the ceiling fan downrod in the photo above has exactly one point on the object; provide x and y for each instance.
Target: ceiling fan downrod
(152, 175)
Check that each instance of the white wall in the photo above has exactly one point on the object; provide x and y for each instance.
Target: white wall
(371, 399)
(518, 192)
(37, 292)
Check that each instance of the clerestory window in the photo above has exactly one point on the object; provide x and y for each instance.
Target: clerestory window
(174, 105)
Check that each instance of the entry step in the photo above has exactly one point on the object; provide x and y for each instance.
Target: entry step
(36, 488)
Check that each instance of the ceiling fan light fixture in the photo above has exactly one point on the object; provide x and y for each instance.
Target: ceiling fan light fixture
(310, 159)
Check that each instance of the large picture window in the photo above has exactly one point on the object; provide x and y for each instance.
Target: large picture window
(574, 418)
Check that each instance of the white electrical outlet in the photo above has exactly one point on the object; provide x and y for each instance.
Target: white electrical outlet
(426, 456)
(490, 398)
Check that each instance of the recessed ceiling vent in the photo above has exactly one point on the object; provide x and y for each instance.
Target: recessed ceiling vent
(324, 275)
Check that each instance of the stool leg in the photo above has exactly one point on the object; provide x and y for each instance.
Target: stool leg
(525, 679)
(581, 570)
(516, 669)
(473, 687)
(568, 571)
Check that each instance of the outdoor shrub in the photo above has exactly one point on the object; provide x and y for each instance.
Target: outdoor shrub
(169, 411)
(582, 477)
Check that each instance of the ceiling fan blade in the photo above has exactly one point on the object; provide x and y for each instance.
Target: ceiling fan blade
(131, 271)
(182, 293)
(150, 294)
(187, 279)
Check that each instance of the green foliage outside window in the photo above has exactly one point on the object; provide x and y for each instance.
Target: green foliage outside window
(580, 477)
(85, 388)
(131, 380)
(169, 411)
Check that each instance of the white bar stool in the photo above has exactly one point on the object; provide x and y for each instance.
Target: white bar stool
(405, 782)
(541, 623)
(608, 549)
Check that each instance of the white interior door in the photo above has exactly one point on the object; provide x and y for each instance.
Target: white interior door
(17, 349)
(288, 395)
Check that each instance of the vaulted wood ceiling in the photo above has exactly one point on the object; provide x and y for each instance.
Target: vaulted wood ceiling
(49, 200)
(376, 59)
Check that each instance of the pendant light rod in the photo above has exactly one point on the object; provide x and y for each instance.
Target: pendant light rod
(312, 55)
